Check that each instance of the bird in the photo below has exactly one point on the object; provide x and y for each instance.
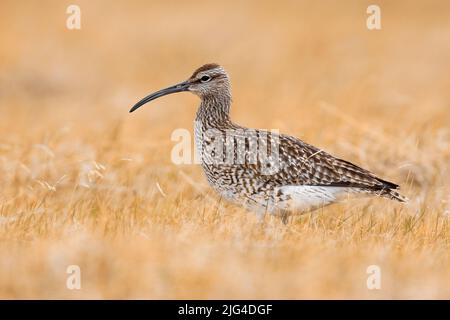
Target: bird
(264, 171)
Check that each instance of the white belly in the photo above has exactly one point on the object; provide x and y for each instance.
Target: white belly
(307, 198)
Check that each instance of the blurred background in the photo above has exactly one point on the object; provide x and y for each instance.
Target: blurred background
(84, 182)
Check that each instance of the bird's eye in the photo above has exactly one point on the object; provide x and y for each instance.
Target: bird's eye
(205, 78)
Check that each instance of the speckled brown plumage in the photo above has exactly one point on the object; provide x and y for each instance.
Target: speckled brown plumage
(300, 178)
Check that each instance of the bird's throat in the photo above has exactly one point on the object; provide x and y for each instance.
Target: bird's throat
(214, 111)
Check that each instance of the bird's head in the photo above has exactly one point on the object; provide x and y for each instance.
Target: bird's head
(208, 81)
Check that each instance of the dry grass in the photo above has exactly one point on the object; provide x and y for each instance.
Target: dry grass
(79, 174)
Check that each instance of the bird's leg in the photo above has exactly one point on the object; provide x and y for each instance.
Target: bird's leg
(284, 215)
(261, 214)
(262, 211)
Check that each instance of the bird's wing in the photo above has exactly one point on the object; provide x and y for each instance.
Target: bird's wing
(307, 165)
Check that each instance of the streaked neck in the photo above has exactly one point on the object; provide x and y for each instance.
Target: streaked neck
(214, 110)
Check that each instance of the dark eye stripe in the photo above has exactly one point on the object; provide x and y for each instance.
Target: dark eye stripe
(210, 76)
(213, 76)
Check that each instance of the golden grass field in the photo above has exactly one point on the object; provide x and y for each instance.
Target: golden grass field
(79, 175)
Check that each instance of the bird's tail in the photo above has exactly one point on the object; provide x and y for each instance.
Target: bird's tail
(389, 190)
(393, 194)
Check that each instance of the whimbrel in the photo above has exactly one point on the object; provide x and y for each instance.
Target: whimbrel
(296, 178)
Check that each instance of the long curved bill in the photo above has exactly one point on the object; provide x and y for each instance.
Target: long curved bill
(183, 86)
